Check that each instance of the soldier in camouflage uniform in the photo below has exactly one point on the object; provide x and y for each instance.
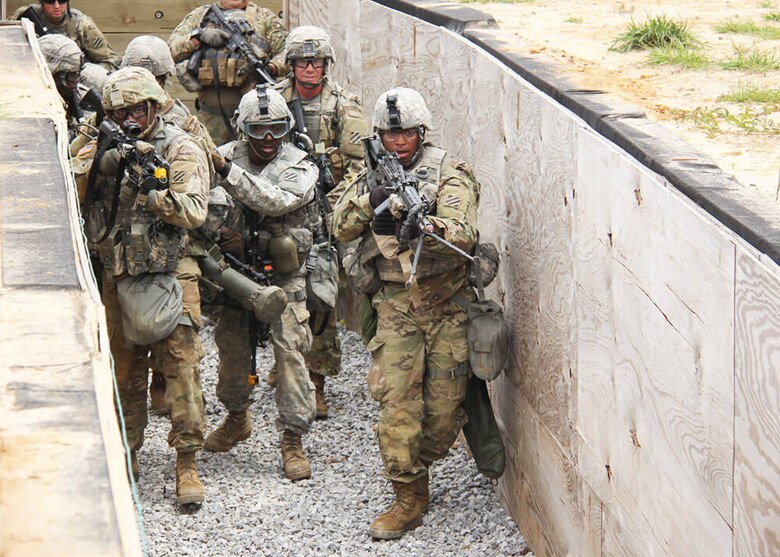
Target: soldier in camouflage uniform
(61, 19)
(218, 100)
(148, 240)
(335, 124)
(420, 355)
(274, 186)
(152, 53)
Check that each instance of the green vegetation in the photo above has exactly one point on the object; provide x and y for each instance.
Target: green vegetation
(574, 20)
(655, 32)
(676, 55)
(772, 16)
(748, 119)
(766, 4)
(769, 32)
(753, 94)
(752, 60)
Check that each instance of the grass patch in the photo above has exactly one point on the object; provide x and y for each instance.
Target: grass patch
(769, 32)
(718, 119)
(772, 16)
(753, 94)
(574, 20)
(752, 60)
(766, 4)
(676, 55)
(655, 32)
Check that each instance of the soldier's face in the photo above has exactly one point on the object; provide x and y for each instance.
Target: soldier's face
(402, 142)
(67, 82)
(264, 150)
(55, 10)
(309, 71)
(138, 115)
(233, 4)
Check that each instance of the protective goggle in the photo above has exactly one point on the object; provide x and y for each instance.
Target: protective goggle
(259, 130)
(393, 135)
(303, 63)
(69, 77)
(137, 111)
(55, 1)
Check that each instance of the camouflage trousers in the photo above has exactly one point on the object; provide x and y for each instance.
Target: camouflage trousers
(420, 411)
(291, 338)
(176, 357)
(324, 357)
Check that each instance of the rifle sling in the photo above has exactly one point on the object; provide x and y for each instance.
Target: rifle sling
(215, 73)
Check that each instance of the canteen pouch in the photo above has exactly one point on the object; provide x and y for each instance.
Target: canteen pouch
(487, 338)
(322, 277)
(151, 306)
(481, 431)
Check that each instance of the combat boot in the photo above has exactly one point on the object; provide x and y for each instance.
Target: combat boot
(236, 427)
(404, 514)
(157, 394)
(296, 465)
(189, 490)
(319, 393)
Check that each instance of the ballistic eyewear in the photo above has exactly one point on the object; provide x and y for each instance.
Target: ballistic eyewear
(55, 1)
(137, 111)
(316, 63)
(259, 130)
(393, 135)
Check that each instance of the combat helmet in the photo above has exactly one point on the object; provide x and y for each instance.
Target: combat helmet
(129, 86)
(61, 53)
(263, 106)
(308, 41)
(150, 52)
(401, 108)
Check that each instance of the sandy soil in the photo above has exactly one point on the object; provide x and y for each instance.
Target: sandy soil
(577, 35)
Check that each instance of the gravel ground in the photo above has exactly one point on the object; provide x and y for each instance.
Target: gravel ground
(251, 509)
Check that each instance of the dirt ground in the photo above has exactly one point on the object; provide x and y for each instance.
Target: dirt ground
(577, 35)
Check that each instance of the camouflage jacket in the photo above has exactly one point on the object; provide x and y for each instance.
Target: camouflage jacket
(335, 123)
(267, 26)
(82, 29)
(280, 192)
(176, 112)
(441, 272)
(183, 204)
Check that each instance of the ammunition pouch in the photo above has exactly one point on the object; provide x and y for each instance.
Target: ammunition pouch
(232, 69)
(151, 305)
(322, 277)
(487, 337)
(360, 267)
(153, 248)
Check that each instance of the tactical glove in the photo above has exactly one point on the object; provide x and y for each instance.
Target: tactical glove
(215, 38)
(221, 164)
(377, 196)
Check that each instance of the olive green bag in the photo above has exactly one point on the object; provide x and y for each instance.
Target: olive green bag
(481, 431)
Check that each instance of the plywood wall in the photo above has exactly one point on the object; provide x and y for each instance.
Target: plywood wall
(640, 409)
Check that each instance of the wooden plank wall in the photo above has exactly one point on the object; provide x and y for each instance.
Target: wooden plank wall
(641, 408)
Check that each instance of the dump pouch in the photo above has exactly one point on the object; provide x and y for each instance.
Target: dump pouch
(481, 431)
(368, 318)
(322, 277)
(151, 306)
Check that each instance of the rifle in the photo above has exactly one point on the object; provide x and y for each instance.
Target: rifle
(239, 31)
(397, 181)
(32, 15)
(93, 100)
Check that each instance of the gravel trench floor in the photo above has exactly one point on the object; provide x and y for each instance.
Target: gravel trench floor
(251, 509)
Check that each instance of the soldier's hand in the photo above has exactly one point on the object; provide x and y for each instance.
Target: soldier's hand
(221, 164)
(109, 163)
(216, 38)
(397, 207)
(428, 192)
(377, 196)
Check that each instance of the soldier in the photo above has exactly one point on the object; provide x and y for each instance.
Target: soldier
(274, 185)
(59, 18)
(420, 356)
(221, 76)
(152, 53)
(150, 282)
(334, 122)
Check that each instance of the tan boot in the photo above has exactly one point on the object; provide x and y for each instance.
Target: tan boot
(236, 427)
(189, 490)
(271, 380)
(296, 465)
(157, 394)
(319, 393)
(404, 514)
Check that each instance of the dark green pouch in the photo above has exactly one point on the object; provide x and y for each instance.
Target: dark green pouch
(481, 431)
(368, 319)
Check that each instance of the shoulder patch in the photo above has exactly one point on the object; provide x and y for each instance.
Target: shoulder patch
(97, 42)
(452, 202)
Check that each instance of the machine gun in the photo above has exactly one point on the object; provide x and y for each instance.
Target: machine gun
(146, 169)
(40, 27)
(385, 166)
(239, 31)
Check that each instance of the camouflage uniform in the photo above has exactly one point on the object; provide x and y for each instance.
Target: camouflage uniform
(182, 205)
(82, 29)
(420, 355)
(234, 75)
(335, 123)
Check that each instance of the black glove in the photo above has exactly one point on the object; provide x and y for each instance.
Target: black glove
(384, 224)
(377, 196)
(214, 37)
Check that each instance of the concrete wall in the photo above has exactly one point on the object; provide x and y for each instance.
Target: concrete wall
(640, 409)
(63, 479)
